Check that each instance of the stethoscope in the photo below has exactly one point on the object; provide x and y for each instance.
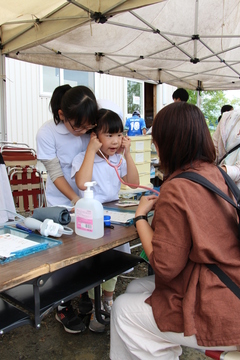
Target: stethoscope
(123, 182)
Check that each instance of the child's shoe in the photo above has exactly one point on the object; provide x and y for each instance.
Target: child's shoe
(94, 325)
(70, 321)
(107, 304)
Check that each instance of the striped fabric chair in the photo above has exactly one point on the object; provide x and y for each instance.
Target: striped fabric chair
(25, 180)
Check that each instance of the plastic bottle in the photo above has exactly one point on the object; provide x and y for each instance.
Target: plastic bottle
(89, 215)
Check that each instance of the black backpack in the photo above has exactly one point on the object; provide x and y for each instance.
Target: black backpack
(236, 193)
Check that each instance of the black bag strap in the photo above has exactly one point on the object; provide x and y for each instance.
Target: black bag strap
(225, 279)
(236, 193)
(229, 152)
(206, 183)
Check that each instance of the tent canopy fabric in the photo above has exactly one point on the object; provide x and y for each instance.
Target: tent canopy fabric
(193, 44)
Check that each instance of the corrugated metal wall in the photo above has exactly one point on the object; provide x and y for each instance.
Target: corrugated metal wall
(27, 110)
(111, 88)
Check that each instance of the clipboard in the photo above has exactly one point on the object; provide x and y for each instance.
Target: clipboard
(15, 243)
(121, 216)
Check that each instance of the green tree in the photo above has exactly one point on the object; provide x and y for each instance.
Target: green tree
(210, 104)
(134, 89)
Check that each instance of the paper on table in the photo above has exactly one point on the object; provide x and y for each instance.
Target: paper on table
(10, 244)
(126, 203)
(120, 217)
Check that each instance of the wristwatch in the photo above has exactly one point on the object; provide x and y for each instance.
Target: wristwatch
(140, 217)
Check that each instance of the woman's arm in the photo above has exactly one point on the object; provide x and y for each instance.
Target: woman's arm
(55, 173)
(144, 230)
(63, 186)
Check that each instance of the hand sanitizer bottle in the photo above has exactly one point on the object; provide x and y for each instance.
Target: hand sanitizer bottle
(89, 215)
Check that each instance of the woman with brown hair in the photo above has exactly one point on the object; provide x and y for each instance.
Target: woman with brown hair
(184, 303)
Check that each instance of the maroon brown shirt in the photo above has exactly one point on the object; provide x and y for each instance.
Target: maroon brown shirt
(193, 227)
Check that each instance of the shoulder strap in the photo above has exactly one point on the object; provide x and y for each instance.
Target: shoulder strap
(225, 279)
(195, 177)
(232, 186)
(236, 193)
(229, 152)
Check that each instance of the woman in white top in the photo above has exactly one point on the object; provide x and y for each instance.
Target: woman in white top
(61, 139)
(58, 142)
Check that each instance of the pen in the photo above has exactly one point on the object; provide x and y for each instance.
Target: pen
(109, 226)
(24, 228)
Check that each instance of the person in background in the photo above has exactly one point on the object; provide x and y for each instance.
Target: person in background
(225, 108)
(180, 95)
(227, 138)
(184, 303)
(106, 141)
(135, 125)
(58, 142)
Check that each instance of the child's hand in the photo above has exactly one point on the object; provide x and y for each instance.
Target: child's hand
(126, 144)
(94, 143)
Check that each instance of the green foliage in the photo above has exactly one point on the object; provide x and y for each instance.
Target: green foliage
(211, 103)
(134, 89)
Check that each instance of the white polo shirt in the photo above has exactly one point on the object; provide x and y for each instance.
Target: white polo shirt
(56, 141)
(108, 184)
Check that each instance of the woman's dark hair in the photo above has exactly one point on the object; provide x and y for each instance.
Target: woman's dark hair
(77, 104)
(181, 136)
(108, 122)
(80, 105)
(56, 99)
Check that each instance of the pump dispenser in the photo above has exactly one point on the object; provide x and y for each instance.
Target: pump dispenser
(89, 215)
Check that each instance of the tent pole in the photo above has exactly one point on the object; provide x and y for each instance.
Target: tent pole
(3, 123)
(196, 28)
(199, 89)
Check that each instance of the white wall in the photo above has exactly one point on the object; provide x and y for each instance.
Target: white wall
(27, 110)
(111, 88)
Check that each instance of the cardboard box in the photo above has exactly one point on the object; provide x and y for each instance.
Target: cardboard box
(141, 143)
(141, 157)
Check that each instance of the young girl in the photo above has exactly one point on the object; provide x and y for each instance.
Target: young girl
(91, 165)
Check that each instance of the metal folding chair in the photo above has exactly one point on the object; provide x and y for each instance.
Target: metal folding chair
(222, 355)
(25, 180)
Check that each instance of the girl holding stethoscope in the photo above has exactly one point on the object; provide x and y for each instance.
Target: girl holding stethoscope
(93, 165)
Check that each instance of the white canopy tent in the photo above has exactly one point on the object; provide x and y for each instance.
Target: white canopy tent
(187, 43)
(193, 44)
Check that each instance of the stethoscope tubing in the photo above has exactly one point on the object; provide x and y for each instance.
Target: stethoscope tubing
(123, 182)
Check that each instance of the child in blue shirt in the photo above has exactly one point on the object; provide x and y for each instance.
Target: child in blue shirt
(135, 125)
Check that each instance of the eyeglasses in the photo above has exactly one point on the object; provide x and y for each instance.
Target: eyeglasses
(82, 128)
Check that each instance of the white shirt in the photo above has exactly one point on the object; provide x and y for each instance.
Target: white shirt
(226, 136)
(108, 183)
(56, 141)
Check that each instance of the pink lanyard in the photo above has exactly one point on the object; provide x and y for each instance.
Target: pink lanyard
(123, 182)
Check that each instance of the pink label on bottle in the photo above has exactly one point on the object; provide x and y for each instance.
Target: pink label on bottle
(84, 220)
